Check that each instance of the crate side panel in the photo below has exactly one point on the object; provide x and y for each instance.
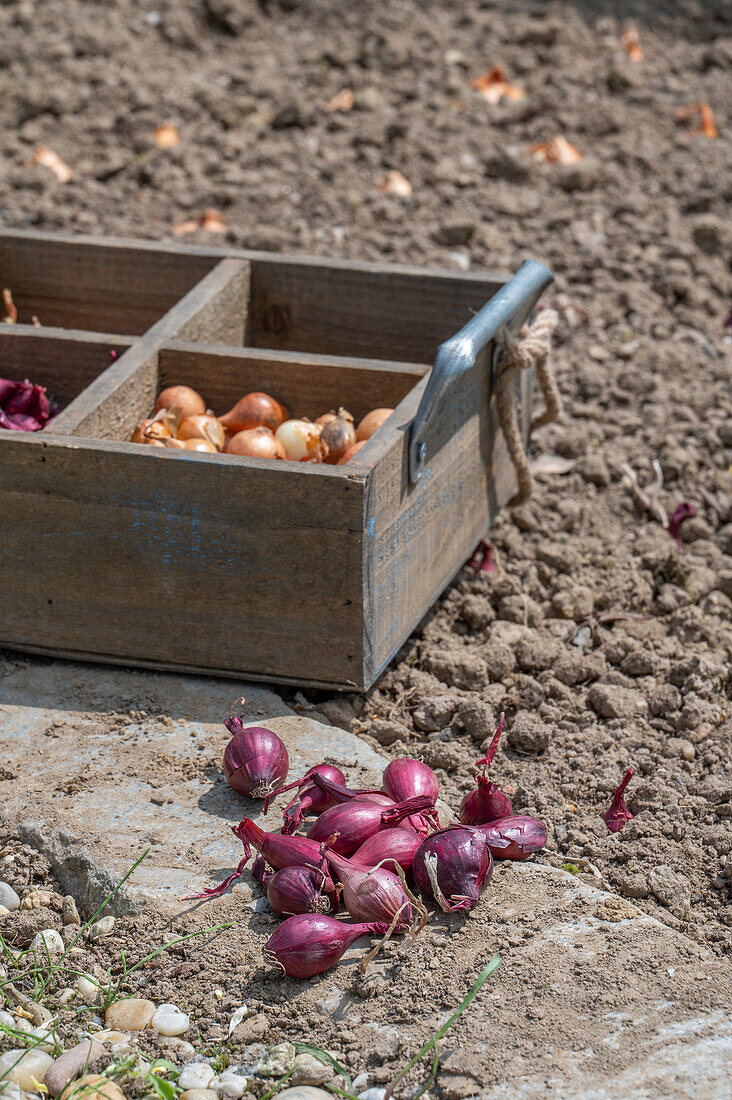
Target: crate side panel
(418, 537)
(375, 312)
(182, 560)
(108, 286)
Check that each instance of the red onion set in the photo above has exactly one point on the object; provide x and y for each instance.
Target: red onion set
(366, 850)
(257, 426)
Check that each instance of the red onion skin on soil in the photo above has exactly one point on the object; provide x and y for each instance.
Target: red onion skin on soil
(355, 822)
(255, 760)
(453, 866)
(618, 814)
(390, 845)
(514, 837)
(306, 945)
(488, 802)
(371, 893)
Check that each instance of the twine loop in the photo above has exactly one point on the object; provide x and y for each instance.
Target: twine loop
(531, 348)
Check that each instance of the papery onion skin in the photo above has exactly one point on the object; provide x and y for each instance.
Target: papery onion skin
(300, 440)
(371, 893)
(356, 821)
(487, 802)
(298, 890)
(337, 437)
(351, 452)
(617, 815)
(255, 443)
(252, 410)
(371, 423)
(515, 837)
(203, 426)
(183, 398)
(453, 866)
(139, 434)
(255, 760)
(389, 846)
(306, 945)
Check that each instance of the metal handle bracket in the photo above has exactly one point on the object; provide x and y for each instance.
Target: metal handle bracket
(457, 355)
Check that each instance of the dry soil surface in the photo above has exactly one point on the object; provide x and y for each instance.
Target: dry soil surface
(606, 644)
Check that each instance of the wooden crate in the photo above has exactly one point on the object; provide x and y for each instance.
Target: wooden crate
(312, 574)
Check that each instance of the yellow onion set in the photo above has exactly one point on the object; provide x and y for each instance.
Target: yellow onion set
(258, 426)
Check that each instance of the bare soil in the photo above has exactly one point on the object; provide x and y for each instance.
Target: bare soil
(605, 644)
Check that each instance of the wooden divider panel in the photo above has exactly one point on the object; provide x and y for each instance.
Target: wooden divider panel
(114, 402)
(307, 384)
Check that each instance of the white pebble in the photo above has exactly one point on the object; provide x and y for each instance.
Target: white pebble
(10, 1091)
(101, 928)
(116, 1041)
(372, 1094)
(65, 996)
(6, 1018)
(361, 1081)
(304, 1092)
(229, 1084)
(89, 990)
(198, 1075)
(4, 912)
(48, 1045)
(23, 1066)
(48, 940)
(169, 1020)
(8, 897)
(21, 1024)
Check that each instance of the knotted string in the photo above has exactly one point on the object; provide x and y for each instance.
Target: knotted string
(530, 349)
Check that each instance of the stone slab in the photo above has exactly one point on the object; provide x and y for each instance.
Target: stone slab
(592, 1005)
(107, 763)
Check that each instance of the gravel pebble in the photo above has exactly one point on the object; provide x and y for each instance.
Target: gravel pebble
(132, 1014)
(8, 897)
(30, 1064)
(196, 1076)
(230, 1085)
(48, 940)
(101, 928)
(69, 912)
(65, 1068)
(169, 1020)
(93, 1087)
(88, 989)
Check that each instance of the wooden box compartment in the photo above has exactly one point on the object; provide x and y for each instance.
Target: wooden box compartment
(273, 570)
